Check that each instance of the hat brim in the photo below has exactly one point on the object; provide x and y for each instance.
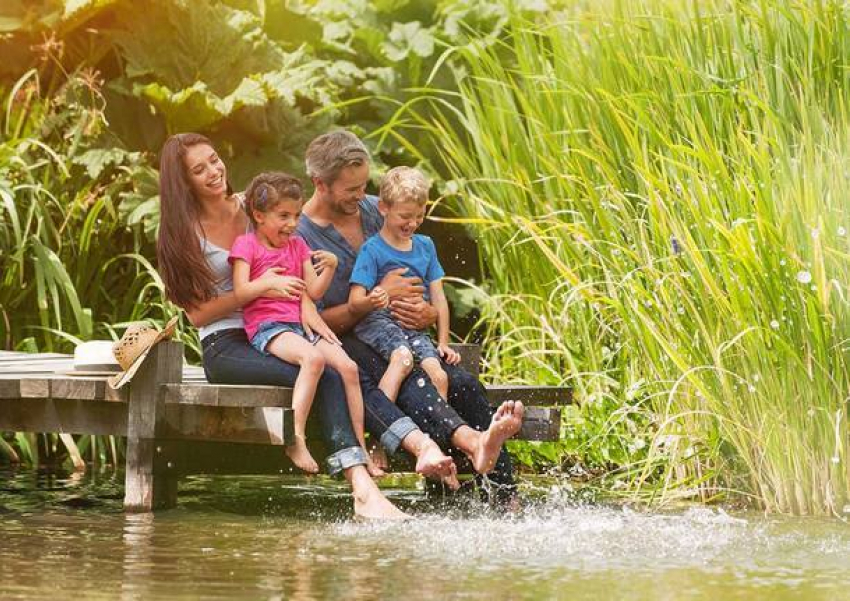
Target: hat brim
(118, 380)
(88, 372)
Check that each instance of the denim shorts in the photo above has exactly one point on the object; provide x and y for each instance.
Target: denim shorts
(269, 329)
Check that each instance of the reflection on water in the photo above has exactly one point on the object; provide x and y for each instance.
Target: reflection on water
(291, 538)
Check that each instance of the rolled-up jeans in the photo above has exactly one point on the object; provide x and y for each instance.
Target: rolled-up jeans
(230, 359)
(418, 399)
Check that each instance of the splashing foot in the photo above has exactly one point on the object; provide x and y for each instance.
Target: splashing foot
(432, 463)
(505, 423)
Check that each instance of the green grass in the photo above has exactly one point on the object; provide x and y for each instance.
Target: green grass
(658, 193)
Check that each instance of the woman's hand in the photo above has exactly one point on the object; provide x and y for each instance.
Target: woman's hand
(279, 285)
(448, 354)
(323, 259)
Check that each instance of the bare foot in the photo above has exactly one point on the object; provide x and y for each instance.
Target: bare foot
(375, 506)
(378, 455)
(506, 422)
(301, 457)
(373, 469)
(431, 462)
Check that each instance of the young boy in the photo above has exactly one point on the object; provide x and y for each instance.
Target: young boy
(403, 194)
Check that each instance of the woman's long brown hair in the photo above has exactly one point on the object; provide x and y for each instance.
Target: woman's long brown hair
(184, 270)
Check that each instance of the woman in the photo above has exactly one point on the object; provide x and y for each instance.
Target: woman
(200, 219)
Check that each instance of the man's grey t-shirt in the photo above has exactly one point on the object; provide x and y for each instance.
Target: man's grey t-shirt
(328, 238)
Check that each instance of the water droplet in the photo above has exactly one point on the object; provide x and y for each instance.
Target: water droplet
(836, 459)
(416, 342)
(842, 231)
(420, 382)
(815, 233)
(804, 277)
(782, 262)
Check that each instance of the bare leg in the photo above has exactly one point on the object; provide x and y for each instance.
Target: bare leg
(369, 502)
(294, 349)
(431, 462)
(439, 378)
(483, 448)
(401, 364)
(336, 358)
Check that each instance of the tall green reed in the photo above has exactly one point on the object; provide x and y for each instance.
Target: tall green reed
(656, 189)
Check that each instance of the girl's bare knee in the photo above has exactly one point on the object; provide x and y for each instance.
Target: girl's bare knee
(349, 371)
(313, 362)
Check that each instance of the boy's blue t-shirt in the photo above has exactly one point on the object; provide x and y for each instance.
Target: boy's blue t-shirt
(377, 258)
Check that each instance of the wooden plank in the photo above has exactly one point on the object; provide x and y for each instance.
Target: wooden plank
(540, 424)
(10, 389)
(219, 395)
(252, 425)
(529, 395)
(64, 416)
(470, 357)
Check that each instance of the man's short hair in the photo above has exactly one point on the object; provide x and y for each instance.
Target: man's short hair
(330, 153)
(404, 184)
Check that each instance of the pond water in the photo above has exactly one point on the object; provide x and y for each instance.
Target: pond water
(292, 538)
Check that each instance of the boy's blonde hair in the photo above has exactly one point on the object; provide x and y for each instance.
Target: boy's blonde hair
(404, 184)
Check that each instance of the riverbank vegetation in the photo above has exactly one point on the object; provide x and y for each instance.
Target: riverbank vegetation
(655, 188)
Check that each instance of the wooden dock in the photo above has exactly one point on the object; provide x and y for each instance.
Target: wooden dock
(176, 423)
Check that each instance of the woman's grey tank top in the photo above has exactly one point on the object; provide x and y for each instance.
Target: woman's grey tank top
(222, 271)
(216, 258)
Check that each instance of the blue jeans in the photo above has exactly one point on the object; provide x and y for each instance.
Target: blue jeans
(418, 399)
(230, 359)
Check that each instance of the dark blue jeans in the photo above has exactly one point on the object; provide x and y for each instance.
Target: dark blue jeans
(230, 359)
(418, 399)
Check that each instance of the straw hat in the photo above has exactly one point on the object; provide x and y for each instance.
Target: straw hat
(134, 346)
(93, 358)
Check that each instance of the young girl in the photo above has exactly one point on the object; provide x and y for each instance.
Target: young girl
(274, 325)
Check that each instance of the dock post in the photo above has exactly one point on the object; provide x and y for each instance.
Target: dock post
(148, 483)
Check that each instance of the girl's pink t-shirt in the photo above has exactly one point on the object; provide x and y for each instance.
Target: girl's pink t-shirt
(290, 257)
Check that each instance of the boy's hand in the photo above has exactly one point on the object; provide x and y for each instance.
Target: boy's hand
(448, 354)
(323, 259)
(379, 298)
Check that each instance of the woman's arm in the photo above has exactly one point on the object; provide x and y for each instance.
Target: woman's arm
(439, 302)
(272, 284)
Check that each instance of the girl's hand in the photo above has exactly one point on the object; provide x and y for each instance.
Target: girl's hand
(323, 259)
(379, 298)
(449, 355)
(314, 324)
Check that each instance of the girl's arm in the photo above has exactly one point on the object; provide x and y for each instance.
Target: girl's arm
(439, 302)
(319, 281)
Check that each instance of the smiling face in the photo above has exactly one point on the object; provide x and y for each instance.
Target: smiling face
(343, 196)
(205, 171)
(402, 219)
(276, 225)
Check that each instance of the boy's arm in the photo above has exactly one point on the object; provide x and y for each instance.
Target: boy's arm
(439, 302)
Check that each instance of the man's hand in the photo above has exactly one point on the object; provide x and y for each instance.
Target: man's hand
(448, 354)
(413, 313)
(399, 285)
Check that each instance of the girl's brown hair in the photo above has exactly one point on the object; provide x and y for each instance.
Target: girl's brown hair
(268, 189)
(184, 270)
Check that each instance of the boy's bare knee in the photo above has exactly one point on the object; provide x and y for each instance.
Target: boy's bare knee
(402, 360)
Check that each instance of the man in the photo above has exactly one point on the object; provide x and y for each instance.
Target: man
(338, 218)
